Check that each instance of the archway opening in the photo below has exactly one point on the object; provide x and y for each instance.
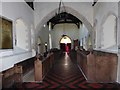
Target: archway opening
(65, 43)
(55, 43)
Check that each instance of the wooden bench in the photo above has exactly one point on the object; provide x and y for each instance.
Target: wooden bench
(15, 74)
(11, 76)
(43, 66)
(27, 65)
(98, 66)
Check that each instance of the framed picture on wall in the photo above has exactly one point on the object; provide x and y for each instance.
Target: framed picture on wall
(6, 36)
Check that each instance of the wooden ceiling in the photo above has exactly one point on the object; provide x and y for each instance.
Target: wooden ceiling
(64, 17)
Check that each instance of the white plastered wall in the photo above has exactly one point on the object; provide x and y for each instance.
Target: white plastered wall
(70, 30)
(15, 11)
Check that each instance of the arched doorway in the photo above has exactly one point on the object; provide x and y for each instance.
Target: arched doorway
(65, 43)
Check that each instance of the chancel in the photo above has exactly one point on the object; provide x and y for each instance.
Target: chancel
(59, 44)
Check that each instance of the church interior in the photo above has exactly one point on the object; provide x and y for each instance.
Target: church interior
(59, 44)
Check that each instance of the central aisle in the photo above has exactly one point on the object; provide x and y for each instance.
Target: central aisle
(65, 74)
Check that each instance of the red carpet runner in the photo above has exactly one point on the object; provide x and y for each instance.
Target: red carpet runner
(65, 74)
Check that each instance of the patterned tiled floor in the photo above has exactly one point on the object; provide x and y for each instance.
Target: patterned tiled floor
(65, 74)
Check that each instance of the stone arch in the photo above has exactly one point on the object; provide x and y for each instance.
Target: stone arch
(70, 10)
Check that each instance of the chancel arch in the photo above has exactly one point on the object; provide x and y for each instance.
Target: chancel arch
(71, 11)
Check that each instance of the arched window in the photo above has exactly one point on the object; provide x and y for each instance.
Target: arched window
(65, 39)
(109, 33)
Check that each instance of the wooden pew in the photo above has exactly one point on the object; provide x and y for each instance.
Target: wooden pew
(11, 76)
(14, 75)
(1, 80)
(105, 66)
(98, 66)
(27, 65)
(43, 66)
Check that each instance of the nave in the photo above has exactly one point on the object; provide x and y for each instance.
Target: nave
(65, 74)
(90, 29)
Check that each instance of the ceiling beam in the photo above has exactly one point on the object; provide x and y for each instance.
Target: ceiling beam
(64, 17)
